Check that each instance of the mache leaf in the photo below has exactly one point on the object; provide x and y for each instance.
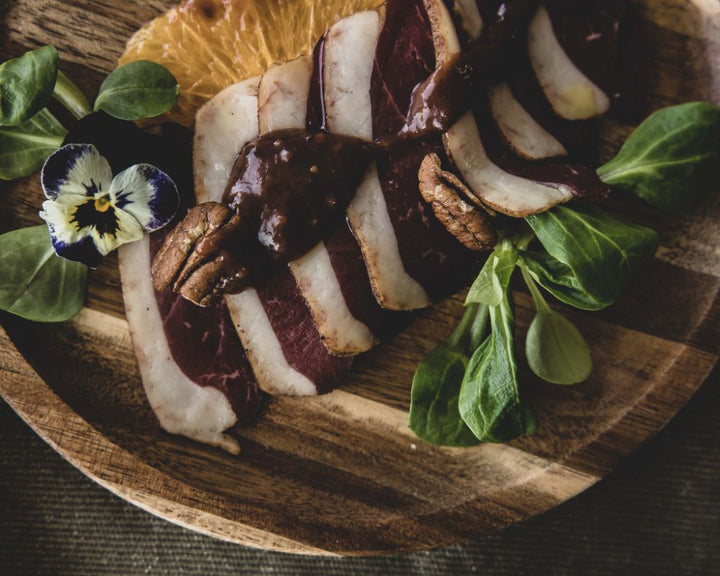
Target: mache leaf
(560, 280)
(434, 414)
(138, 90)
(69, 95)
(26, 84)
(489, 401)
(35, 283)
(555, 350)
(672, 160)
(24, 148)
(602, 252)
(488, 287)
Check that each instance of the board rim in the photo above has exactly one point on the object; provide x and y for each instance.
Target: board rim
(59, 425)
(151, 486)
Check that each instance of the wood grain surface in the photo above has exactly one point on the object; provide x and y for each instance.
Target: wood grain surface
(342, 473)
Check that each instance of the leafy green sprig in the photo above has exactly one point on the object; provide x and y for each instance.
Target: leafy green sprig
(35, 283)
(581, 255)
(135, 91)
(672, 161)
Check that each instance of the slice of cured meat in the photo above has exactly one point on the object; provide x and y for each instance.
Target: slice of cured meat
(342, 247)
(342, 332)
(192, 364)
(282, 104)
(348, 56)
(349, 265)
(572, 94)
(606, 42)
(279, 366)
(588, 33)
(406, 56)
(519, 129)
(184, 406)
(370, 221)
(493, 186)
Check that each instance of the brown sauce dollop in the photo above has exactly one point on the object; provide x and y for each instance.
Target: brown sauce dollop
(452, 88)
(292, 187)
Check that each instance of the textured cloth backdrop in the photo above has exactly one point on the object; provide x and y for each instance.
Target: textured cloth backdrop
(659, 513)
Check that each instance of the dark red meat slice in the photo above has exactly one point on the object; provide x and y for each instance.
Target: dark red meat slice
(297, 333)
(347, 261)
(206, 347)
(405, 57)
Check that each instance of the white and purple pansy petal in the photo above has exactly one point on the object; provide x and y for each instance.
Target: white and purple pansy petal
(69, 240)
(76, 169)
(147, 193)
(90, 213)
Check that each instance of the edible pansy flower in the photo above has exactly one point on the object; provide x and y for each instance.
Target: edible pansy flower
(90, 213)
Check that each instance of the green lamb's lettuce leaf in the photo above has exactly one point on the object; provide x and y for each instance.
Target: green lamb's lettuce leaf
(672, 160)
(24, 148)
(26, 85)
(601, 253)
(559, 279)
(69, 95)
(555, 350)
(434, 414)
(488, 287)
(489, 401)
(35, 283)
(138, 90)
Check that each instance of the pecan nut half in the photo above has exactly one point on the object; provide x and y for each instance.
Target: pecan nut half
(445, 193)
(196, 258)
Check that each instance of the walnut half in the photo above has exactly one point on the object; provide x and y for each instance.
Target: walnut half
(444, 191)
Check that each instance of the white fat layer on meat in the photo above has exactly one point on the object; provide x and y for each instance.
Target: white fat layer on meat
(263, 348)
(368, 215)
(282, 95)
(272, 370)
(469, 15)
(199, 412)
(572, 94)
(501, 191)
(340, 330)
(222, 126)
(282, 104)
(445, 38)
(347, 71)
(524, 135)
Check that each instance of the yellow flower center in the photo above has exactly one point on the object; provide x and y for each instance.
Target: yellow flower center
(102, 204)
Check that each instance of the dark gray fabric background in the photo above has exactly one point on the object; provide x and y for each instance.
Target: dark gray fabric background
(659, 513)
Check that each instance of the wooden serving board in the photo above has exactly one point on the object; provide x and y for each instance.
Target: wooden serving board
(342, 473)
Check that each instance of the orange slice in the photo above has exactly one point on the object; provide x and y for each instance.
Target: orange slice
(211, 44)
